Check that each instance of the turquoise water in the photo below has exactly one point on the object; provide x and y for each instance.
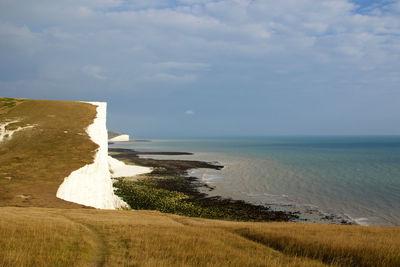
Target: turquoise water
(353, 177)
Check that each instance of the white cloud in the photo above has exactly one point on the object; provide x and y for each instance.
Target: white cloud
(197, 40)
(84, 11)
(19, 38)
(166, 77)
(94, 71)
(184, 66)
(189, 112)
(258, 57)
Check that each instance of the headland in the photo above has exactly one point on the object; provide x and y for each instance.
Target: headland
(51, 140)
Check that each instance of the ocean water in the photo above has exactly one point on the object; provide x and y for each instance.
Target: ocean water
(355, 177)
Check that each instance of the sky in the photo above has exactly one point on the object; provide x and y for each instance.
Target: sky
(205, 68)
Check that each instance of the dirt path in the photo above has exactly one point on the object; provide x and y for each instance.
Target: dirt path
(100, 250)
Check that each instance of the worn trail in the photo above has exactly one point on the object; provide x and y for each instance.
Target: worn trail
(99, 243)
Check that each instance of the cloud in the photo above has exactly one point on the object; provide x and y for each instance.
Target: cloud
(20, 38)
(183, 66)
(214, 50)
(94, 71)
(166, 77)
(189, 112)
(175, 37)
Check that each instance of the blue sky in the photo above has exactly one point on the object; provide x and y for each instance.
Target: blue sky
(211, 68)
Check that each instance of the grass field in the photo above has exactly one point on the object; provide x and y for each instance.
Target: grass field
(37, 229)
(79, 237)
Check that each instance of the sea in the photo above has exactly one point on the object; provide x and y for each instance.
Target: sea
(325, 178)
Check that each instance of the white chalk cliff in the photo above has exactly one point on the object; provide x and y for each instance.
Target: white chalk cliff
(114, 136)
(91, 185)
(120, 138)
(120, 169)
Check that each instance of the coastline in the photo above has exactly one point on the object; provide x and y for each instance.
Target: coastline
(91, 185)
(40, 229)
(201, 190)
(169, 189)
(308, 213)
(322, 176)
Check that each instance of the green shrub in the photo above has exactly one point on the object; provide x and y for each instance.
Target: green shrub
(178, 195)
(142, 196)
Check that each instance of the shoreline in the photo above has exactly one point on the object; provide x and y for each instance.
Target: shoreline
(204, 191)
(307, 212)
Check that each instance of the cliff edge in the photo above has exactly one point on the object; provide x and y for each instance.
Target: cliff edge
(91, 185)
(55, 154)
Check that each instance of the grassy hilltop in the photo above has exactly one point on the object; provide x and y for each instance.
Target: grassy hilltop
(34, 161)
(37, 229)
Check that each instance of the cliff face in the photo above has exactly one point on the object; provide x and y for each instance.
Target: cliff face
(43, 141)
(114, 136)
(91, 185)
(120, 138)
(49, 157)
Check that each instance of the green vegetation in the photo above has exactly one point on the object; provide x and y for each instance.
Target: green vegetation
(142, 196)
(6, 102)
(168, 188)
(178, 195)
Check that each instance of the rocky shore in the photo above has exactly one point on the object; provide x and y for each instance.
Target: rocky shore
(169, 188)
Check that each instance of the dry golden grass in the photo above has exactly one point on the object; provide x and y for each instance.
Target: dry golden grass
(51, 237)
(344, 245)
(34, 162)
(82, 237)
(35, 238)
